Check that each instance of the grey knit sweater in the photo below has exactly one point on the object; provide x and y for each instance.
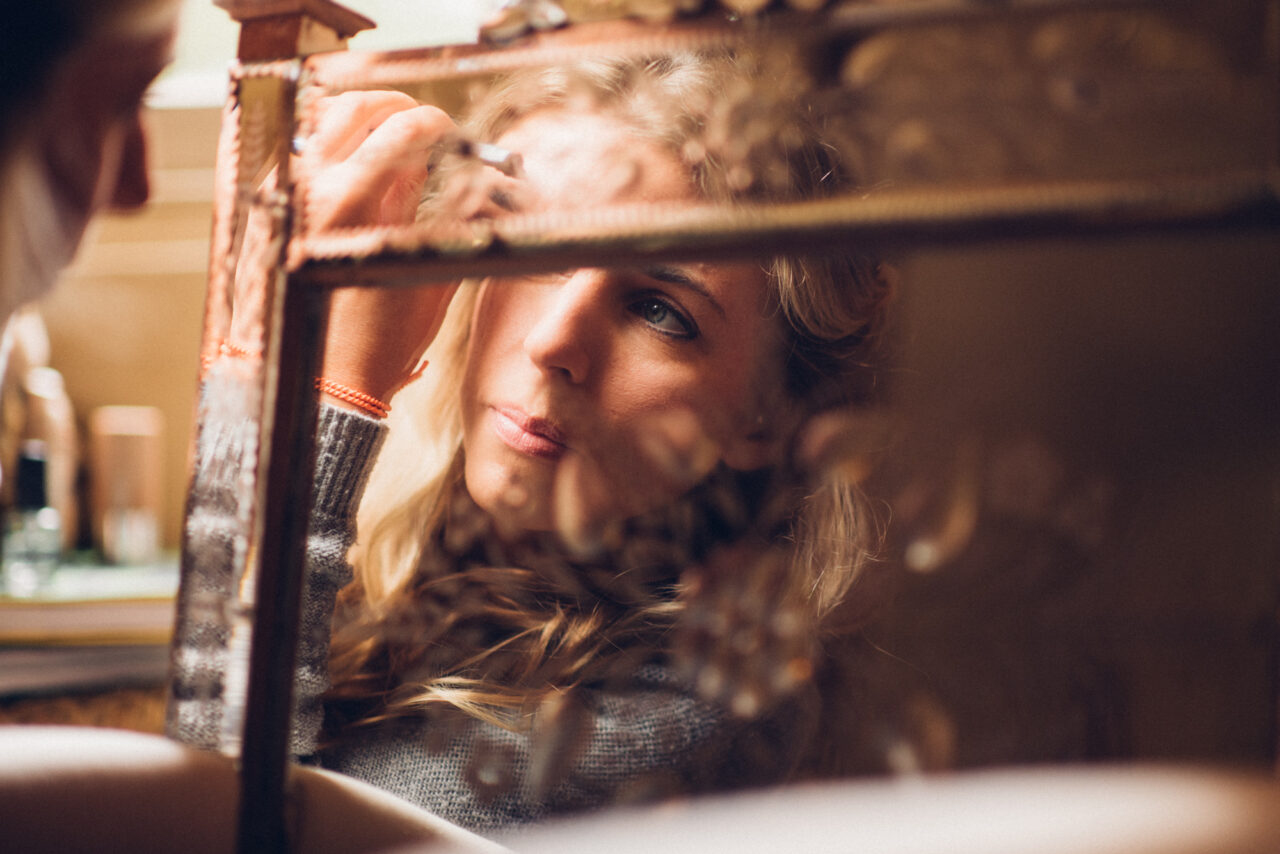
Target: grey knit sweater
(649, 737)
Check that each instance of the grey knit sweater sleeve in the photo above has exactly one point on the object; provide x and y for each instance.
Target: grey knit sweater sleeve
(346, 446)
(206, 672)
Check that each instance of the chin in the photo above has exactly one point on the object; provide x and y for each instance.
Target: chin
(516, 501)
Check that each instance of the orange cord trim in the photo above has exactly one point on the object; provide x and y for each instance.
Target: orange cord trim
(226, 348)
(364, 402)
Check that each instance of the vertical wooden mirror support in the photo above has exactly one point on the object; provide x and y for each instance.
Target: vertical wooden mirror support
(275, 31)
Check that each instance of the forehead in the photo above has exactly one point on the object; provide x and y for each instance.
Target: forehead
(576, 159)
(579, 159)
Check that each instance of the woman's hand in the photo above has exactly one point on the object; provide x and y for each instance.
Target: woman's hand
(366, 163)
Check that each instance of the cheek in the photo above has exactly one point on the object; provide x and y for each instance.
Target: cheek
(73, 138)
(746, 375)
(688, 406)
(123, 182)
(744, 390)
(496, 332)
(492, 320)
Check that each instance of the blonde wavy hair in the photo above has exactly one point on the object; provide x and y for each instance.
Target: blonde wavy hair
(439, 618)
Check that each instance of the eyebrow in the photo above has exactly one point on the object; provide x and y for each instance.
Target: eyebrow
(678, 277)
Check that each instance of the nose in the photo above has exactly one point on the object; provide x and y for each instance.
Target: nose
(132, 185)
(565, 337)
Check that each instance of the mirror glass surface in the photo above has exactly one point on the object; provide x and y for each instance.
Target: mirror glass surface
(764, 405)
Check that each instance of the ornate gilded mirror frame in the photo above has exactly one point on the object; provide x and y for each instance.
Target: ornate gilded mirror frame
(1038, 133)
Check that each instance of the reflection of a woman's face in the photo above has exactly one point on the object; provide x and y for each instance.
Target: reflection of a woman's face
(577, 372)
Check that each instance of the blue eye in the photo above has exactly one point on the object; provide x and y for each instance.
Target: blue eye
(664, 317)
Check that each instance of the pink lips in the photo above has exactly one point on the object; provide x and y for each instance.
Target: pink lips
(535, 437)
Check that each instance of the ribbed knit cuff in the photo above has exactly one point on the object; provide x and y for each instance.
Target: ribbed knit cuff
(347, 443)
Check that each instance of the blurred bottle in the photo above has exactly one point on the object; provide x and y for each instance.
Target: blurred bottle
(34, 405)
(33, 529)
(25, 345)
(51, 419)
(126, 481)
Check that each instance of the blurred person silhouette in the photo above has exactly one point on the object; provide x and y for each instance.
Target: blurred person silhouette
(73, 74)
